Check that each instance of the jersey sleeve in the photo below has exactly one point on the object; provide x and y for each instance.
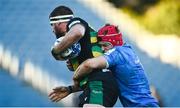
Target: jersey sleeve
(75, 21)
(113, 57)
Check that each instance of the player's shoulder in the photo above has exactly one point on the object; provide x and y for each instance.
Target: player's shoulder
(125, 46)
(77, 20)
(117, 50)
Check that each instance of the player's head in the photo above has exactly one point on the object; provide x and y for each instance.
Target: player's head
(109, 36)
(59, 18)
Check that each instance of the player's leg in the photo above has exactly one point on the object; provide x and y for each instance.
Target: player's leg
(99, 92)
(92, 94)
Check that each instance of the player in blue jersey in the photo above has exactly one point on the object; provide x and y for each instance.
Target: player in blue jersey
(119, 57)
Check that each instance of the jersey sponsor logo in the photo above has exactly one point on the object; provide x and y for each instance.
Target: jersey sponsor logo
(97, 91)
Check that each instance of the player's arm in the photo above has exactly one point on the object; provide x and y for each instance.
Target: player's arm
(87, 66)
(75, 33)
(61, 92)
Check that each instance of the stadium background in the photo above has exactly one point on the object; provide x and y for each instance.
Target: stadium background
(27, 70)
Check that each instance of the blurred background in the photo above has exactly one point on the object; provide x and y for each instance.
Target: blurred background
(157, 16)
(28, 72)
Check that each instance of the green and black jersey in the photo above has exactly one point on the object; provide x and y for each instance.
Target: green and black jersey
(89, 44)
(99, 87)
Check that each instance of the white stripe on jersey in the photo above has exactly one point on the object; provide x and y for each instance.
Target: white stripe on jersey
(72, 23)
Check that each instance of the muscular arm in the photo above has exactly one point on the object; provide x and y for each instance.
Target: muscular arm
(61, 92)
(72, 36)
(87, 66)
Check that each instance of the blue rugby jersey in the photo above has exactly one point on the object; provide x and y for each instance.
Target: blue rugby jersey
(133, 84)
